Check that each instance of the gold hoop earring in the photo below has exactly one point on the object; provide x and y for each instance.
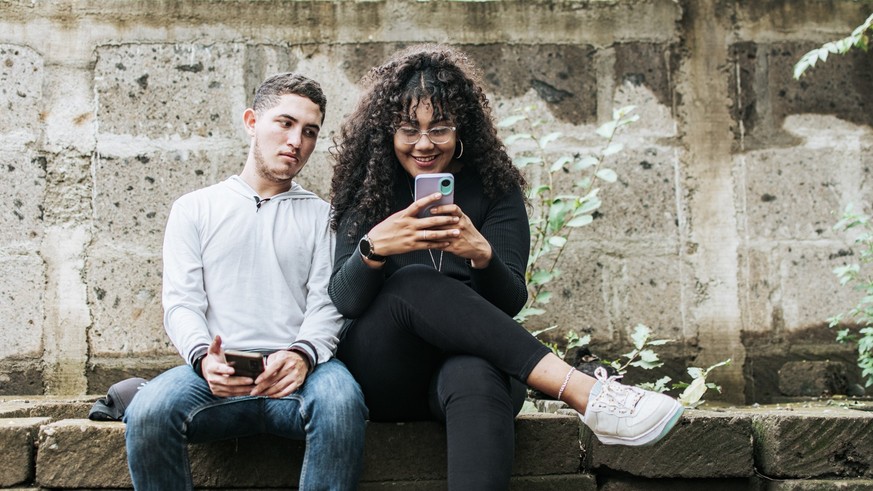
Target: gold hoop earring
(461, 143)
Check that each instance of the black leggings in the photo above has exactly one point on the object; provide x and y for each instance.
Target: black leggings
(429, 347)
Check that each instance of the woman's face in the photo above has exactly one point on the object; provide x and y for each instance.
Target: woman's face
(425, 156)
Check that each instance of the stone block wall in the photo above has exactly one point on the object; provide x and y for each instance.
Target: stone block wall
(717, 234)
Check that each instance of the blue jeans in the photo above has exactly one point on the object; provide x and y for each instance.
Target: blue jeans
(177, 408)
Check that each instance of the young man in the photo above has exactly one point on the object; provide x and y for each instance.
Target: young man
(246, 267)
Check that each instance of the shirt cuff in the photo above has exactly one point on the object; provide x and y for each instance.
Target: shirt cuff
(306, 349)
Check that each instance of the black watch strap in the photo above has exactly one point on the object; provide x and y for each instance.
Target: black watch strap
(365, 247)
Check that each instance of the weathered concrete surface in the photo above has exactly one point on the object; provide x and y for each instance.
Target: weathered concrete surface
(813, 378)
(17, 450)
(46, 407)
(717, 233)
(624, 483)
(83, 453)
(813, 443)
(704, 444)
(820, 485)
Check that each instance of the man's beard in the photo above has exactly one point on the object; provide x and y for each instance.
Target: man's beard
(262, 169)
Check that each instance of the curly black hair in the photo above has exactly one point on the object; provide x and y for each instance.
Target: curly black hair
(365, 163)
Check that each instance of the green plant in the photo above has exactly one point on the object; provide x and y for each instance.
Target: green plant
(693, 393)
(558, 209)
(858, 276)
(565, 196)
(858, 39)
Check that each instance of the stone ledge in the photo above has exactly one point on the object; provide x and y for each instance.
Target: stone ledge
(17, 438)
(79, 453)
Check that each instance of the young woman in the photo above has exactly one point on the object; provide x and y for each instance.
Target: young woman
(429, 301)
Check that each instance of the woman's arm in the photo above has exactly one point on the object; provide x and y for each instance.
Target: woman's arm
(507, 229)
(353, 284)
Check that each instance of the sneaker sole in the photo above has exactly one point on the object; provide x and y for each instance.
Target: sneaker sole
(652, 436)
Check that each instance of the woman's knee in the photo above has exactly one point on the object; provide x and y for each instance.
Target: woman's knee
(415, 278)
(471, 375)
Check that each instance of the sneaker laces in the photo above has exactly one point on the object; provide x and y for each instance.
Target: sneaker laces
(614, 397)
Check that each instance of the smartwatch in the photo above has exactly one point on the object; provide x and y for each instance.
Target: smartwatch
(365, 247)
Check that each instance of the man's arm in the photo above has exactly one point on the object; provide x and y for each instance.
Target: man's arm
(184, 296)
(319, 333)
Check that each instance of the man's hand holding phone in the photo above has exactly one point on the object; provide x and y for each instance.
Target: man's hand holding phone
(221, 376)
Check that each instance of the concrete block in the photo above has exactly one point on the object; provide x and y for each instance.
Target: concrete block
(811, 443)
(546, 444)
(125, 307)
(811, 293)
(813, 378)
(567, 482)
(648, 290)
(21, 212)
(563, 76)
(781, 185)
(21, 307)
(83, 453)
(820, 485)
(50, 407)
(70, 122)
(579, 296)
(17, 437)
(134, 195)
(704, 444)
(21, 84)
(624, 483)
(171, 89)
(767, 93)
(642, 76)
(641, 205)
(69, 189)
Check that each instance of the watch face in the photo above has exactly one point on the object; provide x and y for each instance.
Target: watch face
(364, 246)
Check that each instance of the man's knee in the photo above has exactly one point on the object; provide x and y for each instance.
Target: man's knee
(336, 394)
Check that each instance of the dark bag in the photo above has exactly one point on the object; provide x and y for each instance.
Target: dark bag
(111, 407)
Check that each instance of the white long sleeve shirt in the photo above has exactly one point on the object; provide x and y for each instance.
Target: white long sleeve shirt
(254, 273)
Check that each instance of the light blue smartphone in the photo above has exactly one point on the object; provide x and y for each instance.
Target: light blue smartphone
(427, 184)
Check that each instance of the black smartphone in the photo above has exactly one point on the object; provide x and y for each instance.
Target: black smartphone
(244, 363)
(426, 184)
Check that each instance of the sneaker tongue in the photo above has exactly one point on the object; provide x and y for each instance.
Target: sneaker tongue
(595, 390)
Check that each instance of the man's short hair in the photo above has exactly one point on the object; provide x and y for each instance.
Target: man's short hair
(268, 94)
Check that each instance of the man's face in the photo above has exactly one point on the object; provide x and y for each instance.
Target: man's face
(283, 138)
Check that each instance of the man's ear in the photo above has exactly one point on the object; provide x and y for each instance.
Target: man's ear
(249, 118)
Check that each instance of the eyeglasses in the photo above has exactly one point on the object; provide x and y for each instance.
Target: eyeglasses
(437, 135)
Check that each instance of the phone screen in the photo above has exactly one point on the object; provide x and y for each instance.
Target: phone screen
(426, 184)
(245, 364)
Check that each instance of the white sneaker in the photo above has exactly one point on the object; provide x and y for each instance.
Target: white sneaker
(624, 415)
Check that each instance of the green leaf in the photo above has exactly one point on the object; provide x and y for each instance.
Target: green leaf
(522, 162)
(589, 205)
(606, 130)
(585, 162)
(511, 120)
(695, 372)
(558, 241)
(543, 297)
(580, 221)
(622, 112)
(542, 188)
(560, 163)
(613, 149)
(541, 277)
(509, 140)
(693, 392)
(640, 336)
(607, 175)
(544, 142)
